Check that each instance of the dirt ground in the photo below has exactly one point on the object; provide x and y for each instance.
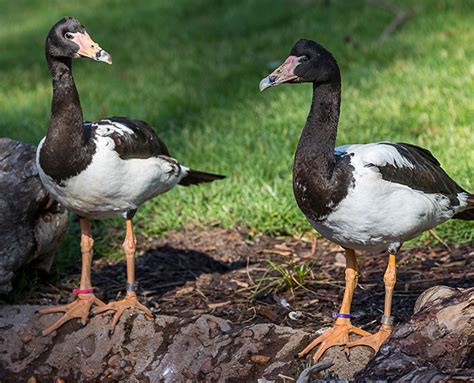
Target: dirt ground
(217, 271)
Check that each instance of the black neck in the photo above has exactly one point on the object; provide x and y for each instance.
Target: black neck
(67, 150)
(319, 182)
(318, 139)
(66, 114)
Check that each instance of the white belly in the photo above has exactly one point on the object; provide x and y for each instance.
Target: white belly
(377, 213)
(110, 185)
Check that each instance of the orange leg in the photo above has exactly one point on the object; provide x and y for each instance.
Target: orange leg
(376, 340)
(339, 334)
(130, 301)
(81, 307)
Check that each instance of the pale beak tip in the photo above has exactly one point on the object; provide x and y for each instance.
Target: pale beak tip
(104, 57)
(264, 84)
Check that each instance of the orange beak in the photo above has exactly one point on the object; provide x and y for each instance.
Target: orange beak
(88, 48)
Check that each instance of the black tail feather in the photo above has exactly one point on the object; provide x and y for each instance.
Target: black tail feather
(195, 177)
(468, 214)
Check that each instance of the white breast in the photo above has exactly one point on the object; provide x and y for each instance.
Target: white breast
(111, 185)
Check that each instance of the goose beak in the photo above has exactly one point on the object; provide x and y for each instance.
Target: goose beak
(284, 73)
(88, 48)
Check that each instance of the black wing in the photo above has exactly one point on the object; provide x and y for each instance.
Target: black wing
(137, 140)
(426, 174)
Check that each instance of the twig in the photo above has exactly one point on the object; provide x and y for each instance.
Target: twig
(248, 272)
(253, 316)
(285, 378)
(213, 306)
(437, 237)
(400, 17)
(277, 252)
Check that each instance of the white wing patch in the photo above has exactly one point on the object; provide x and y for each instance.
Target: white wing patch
(107, 127)
(377, 153)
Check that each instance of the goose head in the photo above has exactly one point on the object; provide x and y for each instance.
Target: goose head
(308, 62)
(69, 39)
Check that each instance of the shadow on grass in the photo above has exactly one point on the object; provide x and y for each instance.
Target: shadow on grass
(203, 55)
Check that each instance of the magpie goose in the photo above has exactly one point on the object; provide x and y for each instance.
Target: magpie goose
(363, 197)
(100, 169)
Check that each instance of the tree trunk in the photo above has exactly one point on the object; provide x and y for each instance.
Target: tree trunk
(32, 225)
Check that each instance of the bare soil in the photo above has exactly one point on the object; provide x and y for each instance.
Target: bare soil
(216, 272)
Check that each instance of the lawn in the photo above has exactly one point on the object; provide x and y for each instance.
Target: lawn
(191, 69)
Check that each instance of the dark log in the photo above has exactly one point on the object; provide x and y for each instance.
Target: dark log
(211, 349)
(32, 225)
(435, 345)
(167, 349)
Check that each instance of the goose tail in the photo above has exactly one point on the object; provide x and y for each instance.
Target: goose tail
(196, 177)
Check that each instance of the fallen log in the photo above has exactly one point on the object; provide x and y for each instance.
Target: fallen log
(435, 345)
(32, 225)
(208, 348)
(166, 349)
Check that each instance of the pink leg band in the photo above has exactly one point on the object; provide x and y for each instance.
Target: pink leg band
(84, 291)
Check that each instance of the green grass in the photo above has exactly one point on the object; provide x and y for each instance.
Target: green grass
(282, 277)
(191, 68)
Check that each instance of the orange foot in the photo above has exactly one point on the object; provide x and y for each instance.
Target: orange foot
(129, 302)
(373, 341)
(336, 336)
(80, 308)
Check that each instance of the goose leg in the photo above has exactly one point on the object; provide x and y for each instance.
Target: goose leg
(339, 334)
(130, 301)
(376, 340)
(81, 307)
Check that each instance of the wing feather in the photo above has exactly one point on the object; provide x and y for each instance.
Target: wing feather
(132, 138)
(408, 165)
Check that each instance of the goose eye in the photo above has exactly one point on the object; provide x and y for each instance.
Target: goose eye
(69, 35)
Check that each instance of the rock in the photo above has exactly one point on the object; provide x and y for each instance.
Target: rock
(32, 225)
(435, 345)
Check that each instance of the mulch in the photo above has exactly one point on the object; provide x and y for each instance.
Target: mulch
(220, 271)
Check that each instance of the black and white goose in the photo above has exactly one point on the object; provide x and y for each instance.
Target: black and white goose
(99, 169)
(362, 197)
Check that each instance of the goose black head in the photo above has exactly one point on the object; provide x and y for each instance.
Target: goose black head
(68, 38)
(308, 62)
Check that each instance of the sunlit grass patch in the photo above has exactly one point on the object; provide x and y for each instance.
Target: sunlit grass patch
(192, 68)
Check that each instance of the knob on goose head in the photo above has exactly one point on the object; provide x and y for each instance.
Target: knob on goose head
(308, 62)
(69, 39)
